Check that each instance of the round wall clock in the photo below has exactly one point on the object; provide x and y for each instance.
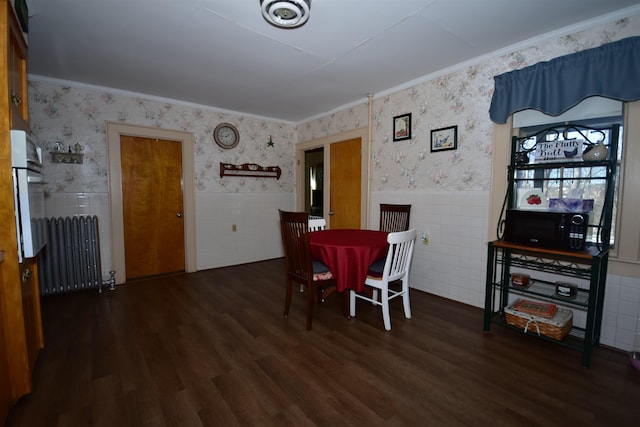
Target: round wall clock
(226, 135)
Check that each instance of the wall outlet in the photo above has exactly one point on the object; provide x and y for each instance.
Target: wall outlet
(233, 227)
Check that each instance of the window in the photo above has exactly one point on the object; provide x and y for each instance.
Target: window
(578, 183)
(624, 258)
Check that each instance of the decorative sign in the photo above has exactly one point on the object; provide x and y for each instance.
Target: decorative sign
(559, 151)
(250, 169)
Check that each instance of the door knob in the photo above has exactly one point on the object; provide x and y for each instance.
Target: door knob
(330, 212)
(179, 215)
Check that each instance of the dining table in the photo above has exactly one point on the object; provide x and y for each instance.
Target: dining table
(348, 253)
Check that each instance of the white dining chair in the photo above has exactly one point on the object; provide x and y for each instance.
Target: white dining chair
(394, 267)
(317, 223)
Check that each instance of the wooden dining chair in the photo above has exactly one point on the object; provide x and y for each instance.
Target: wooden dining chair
(394, 218)
(394, 267)
(313, 274)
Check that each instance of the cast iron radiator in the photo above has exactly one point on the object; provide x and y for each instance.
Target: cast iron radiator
(70, 261)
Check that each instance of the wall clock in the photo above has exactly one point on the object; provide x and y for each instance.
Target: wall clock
(226, 135)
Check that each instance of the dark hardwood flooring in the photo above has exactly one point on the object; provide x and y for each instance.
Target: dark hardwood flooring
(213, 349)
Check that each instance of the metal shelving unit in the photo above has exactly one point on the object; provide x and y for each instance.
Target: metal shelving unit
(588, 266)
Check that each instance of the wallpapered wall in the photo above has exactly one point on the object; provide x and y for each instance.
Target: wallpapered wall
(459, 98)
(72, 114)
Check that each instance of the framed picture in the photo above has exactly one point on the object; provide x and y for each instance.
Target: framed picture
(444, 139)
(402, 127)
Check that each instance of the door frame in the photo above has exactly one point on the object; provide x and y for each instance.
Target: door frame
(326, 142)
(114, 131)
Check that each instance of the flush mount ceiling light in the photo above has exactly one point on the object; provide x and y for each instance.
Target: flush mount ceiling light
(286, 13)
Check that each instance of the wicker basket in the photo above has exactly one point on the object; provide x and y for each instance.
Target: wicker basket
(556, 328)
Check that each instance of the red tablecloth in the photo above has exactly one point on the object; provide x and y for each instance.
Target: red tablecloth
(348, 253)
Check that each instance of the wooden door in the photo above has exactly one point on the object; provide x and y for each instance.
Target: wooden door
(31, 310)
(152, 206)
(345, 183)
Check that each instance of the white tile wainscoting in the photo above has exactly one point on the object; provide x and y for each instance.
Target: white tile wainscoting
(74, 204)
(257, 235)
(452, 265)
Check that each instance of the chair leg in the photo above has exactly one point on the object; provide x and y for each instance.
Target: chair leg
(287, 299)
(311, 299)
(345, 304)
(405, 300)
(352, 302)
(386, 317)
(326, 292)
(320, 294)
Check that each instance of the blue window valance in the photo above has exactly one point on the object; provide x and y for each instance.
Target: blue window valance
(611, 71)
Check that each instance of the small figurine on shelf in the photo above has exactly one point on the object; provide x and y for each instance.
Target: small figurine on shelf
(595, 152)
(70, 154)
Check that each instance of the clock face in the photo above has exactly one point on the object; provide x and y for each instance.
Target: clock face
(226, 135)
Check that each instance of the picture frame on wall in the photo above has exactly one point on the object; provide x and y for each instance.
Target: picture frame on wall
(444, 139)
(402, 127)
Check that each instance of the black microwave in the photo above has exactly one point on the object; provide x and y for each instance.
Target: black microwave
(553, 230)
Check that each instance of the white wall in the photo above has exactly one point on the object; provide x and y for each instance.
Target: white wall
(257, 235)
(453, 263)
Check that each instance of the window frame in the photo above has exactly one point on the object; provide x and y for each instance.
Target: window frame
(625, 256)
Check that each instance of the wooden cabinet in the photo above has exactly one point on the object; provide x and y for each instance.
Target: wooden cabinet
(17, 75)
(20, 325)
(6, 394)
(31, 309)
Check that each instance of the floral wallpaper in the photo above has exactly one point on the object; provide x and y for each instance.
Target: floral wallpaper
(460, 98)
(70, 115)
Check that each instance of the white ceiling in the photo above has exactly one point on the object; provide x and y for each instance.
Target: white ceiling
(222, 53)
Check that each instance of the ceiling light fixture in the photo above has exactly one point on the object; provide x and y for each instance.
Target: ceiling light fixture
(286, 13)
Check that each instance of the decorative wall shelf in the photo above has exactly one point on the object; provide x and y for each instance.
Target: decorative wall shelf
(250, 169)
(61, 157)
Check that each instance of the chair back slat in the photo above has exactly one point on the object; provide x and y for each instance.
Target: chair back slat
(394, 218)
(399, 254)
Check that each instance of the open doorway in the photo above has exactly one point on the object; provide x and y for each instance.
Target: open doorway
(314, 181)
(314, 160)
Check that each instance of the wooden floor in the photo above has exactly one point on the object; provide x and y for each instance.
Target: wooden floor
(213, 349)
